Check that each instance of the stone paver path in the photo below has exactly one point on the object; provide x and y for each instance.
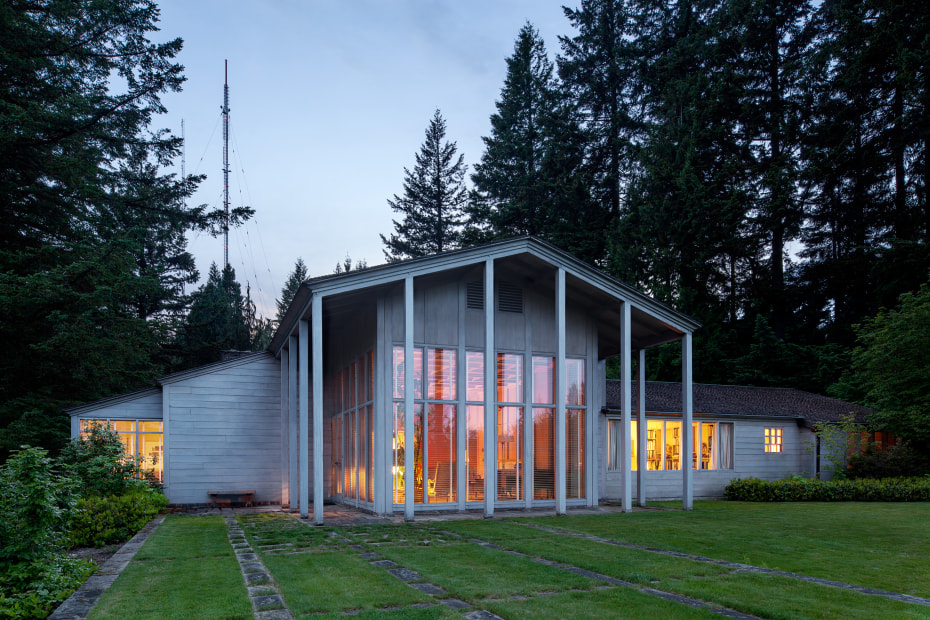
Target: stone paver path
(79, 604)
(904, 598)
(267, 602)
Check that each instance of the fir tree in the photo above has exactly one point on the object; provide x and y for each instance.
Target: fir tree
(218, 319)
(290, 289)
(433, 201)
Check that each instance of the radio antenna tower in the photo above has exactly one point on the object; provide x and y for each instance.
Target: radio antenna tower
(225, 111)
(183, 164)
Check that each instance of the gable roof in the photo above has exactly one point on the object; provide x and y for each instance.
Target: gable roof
(739, 400)
(537, 252)
(112, 400)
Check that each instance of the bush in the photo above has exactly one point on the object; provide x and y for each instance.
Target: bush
(99, 465)
(116, 518)
(36, 505)
(892, 462)
(812, 490)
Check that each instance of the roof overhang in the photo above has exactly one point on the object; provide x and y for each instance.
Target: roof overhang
(652, 322)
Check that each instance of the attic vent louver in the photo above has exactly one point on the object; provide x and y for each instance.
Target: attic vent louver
(510, 298)
(474, 295)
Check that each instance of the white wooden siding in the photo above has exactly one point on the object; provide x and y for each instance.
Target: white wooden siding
(225, 433)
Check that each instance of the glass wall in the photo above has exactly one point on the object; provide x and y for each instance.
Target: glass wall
(434, 438)
(543, 428)
(352, 401)
(474, 442)
(510, 477)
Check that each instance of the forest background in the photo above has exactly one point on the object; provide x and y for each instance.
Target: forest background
(759, 165)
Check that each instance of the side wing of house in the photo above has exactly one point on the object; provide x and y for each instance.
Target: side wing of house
(223, 430)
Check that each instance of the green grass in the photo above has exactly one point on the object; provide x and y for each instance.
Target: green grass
(621, 603)
(272, 529)
(337, 581)
(471, 572)
(879, 545)
(178, 574)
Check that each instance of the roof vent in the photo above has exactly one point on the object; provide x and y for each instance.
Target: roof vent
(510, 298)
(474, 295)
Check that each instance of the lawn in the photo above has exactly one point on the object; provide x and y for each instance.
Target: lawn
(879, 545)
(186, 569)
(523, 573)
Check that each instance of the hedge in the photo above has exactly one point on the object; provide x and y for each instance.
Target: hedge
(115, 518)
(812, 490)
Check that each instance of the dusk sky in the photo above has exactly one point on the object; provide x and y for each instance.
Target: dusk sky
(329, 102)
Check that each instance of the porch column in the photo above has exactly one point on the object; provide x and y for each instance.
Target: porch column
(687, 406)
(286, 488)
(641, 429)
(409, 380)
(316, 309)
(560, 392)
(292, 433)
(490, 393)
(304, 414)
(626, 356)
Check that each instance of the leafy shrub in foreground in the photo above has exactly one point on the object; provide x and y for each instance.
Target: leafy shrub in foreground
(36, 505)
(101, 521)
(812, 490)
(99, 465)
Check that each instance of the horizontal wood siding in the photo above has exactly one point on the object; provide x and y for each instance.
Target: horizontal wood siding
(749, 459)
(225, 433)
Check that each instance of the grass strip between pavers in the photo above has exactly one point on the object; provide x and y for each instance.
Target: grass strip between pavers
(472, 572)
(337, 581)
(181, 572)
(616, 602)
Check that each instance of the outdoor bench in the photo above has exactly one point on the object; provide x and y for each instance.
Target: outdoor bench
(242, 497)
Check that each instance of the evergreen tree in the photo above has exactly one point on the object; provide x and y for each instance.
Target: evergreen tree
(290, 289)
(433, 201)
(92, 257)
(346, 265)
(529, 181)
(219, 319)
(598, 68)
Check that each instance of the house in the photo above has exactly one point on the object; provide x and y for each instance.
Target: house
(738, 431)
(508, 406)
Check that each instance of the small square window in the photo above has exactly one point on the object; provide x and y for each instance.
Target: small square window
(773, 439)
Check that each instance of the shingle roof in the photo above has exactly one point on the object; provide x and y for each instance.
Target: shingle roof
(665, 397)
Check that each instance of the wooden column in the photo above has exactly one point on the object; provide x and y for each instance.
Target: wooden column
(316, 308)
(408, 399)
(286, 488)
(687, 406)
(490, 393)
(560, 464)
(292, 433)
(626, 356)
(641, 429)
(304, 415)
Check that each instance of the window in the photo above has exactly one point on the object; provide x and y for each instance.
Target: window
(510, 427)
(712, 445)
(575, 428)
(352, 429)
(434, 474)
(140, 438)
(773, 439)
(474, 442)
(543, 428)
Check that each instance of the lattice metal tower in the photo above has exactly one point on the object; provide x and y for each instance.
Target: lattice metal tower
(225, 111)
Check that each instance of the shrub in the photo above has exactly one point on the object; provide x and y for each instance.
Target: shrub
(811, 490)
(115, 518)
(100, 466)
(36, 505)
(892, 462)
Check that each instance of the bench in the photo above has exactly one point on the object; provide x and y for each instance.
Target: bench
(225, 497)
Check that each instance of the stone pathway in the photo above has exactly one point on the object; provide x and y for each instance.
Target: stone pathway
(267, 602)
(79, 604)
(904, 598)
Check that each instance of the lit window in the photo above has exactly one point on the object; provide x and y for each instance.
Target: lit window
(141, 438)
(773, 439)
